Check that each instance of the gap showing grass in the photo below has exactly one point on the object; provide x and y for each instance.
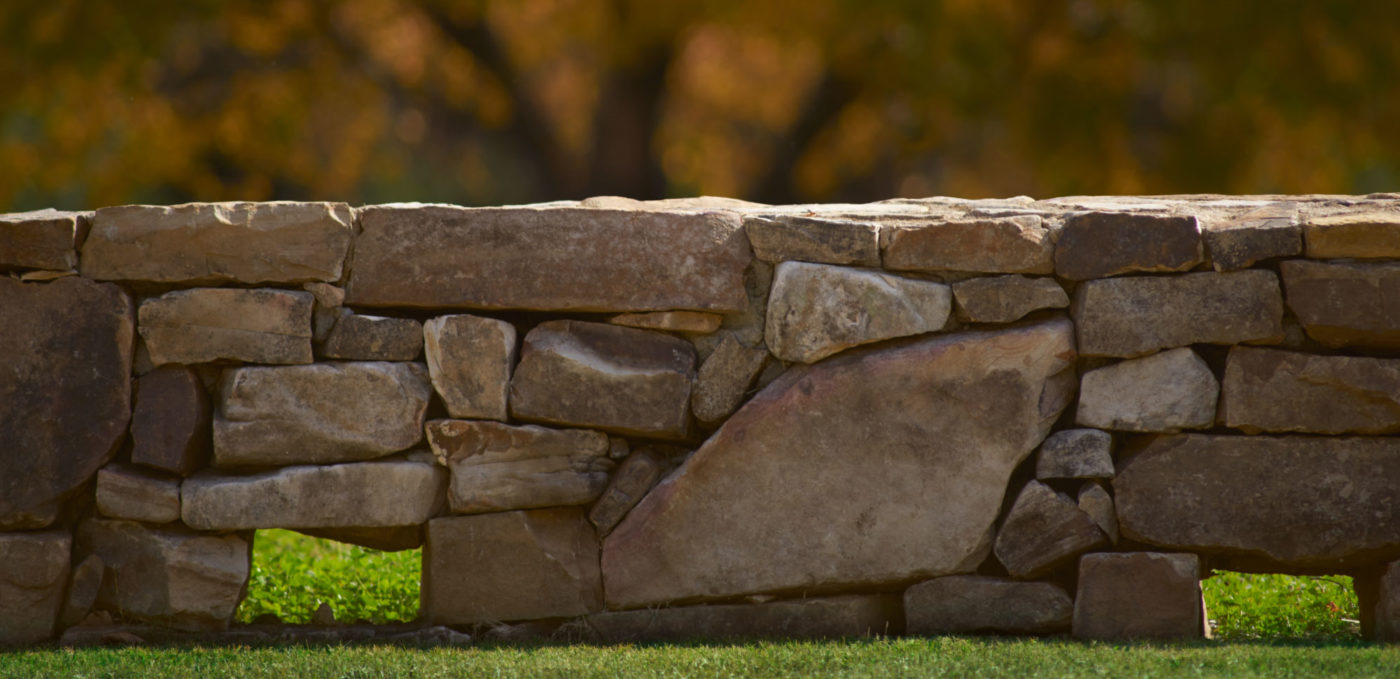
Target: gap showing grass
(294, 573)
(1254, 606)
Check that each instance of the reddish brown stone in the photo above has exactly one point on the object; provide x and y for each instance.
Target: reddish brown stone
(42, 239)
(1364, 235)
(210, 324)
(1139, 595)
(171, 420)
(1102, 244)
(1020, 244)
(496, 467)
(1346, 304)
(807, 239)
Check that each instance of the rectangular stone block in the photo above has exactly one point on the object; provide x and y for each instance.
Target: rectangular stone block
(358, 337)
(548, 259)
(1042, 530)
(1263, 233)
(170, 422)
(41, 239)
(200, 243)
(968, 604)
(33, 576)
(496, 467)
(470, 359)
(1361, 235)
(1346, 304)
(1165, 392)
(1267, 390)
(211, 324)
(510, 566)
(1003, 299)
(835, 617)
(809, 239)
(1139, 595)
(1019, 244)
(1103, 244)
(125, 493)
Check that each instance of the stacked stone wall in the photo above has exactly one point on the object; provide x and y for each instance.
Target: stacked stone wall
(624, 420)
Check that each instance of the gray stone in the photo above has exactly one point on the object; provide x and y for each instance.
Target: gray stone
(327, 412)
(1283, 391)
(835, 617)
(125, 493)
(1137, 315)
(724, 380)
(66, 389)
(693, 322)
(83, 587)
(1266, 504)
(810, 239)
(548, 259)
(510, 566)
(1386, 611)
(718, 528)
(1103, 244)
(383, 493)
(1165, 392)
(1019, 244)
(621, 380)
(357, 337)
(633, 478)
(1075, 454)
(276, 242)
(1098, 504)
(967, 604)
(170, 422)
(1042, 531)
(41, 239)
(1139, 595)
(167, 576)
(1346, 304)
(1003, 299)
(496, 467)
(33, 574)
(1263, 233)
(470, 360)
(211, 324)
(1363, 235)
(816, 310)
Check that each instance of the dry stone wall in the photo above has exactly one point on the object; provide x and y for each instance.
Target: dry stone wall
(704, 417)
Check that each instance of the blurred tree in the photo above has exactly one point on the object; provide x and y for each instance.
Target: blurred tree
(496, 101)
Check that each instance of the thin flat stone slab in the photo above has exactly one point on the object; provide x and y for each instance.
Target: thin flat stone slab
(548, 259)
(1043, 529)
(360, 337)
(892, 464)
(1019, 244)
(508, 566)
(838, 617)
(123, 492)
(1103, 244)
(1346, 304)
(1137, 315)
(1165, 392)
(170, 421)
(41, 239)
(382, 493)
(1267, 390)
(601, 376)
(210, 324)
(66, 388)
(633, 478)
(200, 243)
(470, 359)
(1075, 454)
(969, 604)
(1263, 233)
(1003, 299)
(496, 467)
(169, 576)
(33, 576)
(1363, 235)
(322, 413)
(1139, 595)
(816, 310)
(691, 322)
(1283, 503)
(814, 239)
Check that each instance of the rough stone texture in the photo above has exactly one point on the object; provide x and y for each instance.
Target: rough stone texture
(1003, 299)
(1284, 391)
(1137, 315)
(125, 493)
(1098, 504)
(33, 575)
(1075, 454)
(633, 478)
(965, 604)
(83, 586)
(510, 566)
(1164, 392)
(1102, 244)
(279, 242)
(816, 310)
(1019, 244)
(1365, 235)
(211, 324)
(357, 494)
(602, 376)
(169, 576)
(1263, 233)
(1138, 595)
(382, 538)
(809, 239)
(327, 412)
(358, 337)
(723, 525)
(549, 259)
(1288, 503)
(65, 366)
(170, 422)
(496, 467)
(41, 239)
(1386, 614)
(1346, 304)
(695, 322)
(1042, 530)
(724, 379)
(747, 325)
(818, 618)
(470, 360)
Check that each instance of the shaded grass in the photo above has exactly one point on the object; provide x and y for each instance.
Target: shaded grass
(293, 573)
